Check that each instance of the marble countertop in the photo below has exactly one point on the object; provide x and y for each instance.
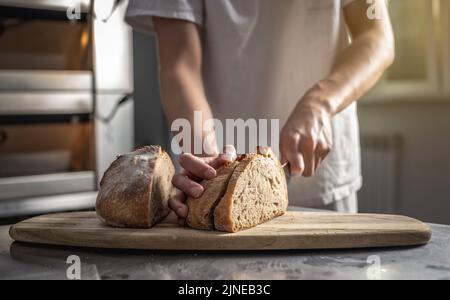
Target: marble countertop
(27, 261)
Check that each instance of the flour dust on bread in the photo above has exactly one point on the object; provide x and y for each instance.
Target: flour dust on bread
(201, 210)
(135, 190)
(256, 193)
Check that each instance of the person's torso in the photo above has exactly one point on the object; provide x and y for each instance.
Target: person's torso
(261, 56)
(268, 53)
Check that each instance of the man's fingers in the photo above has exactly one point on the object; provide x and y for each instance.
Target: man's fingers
(296, 162)
(229, 155)
(182, 222)
(197, 166)
(322, 151)
(317, 161)
(310, 165)
(307, 148)
(190, 175)
(176, 203)
(186, 185)
(290, 153)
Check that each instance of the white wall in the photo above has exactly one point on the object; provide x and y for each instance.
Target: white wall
(424, 183)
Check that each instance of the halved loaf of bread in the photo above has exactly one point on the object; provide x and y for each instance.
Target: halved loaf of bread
(135, 190)
(256, 193)
(202, 209)
(246, 193)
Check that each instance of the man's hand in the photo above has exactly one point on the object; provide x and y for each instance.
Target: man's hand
(307, 138)
(195, 169)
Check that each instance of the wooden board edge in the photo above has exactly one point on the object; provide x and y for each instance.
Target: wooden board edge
(387, 240)
(421, 236)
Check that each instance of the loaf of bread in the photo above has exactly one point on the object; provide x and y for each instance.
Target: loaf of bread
(135, 190)
(249, 192)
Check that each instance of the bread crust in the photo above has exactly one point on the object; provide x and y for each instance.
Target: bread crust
(201, 210)
(127, 190)
(223, 213)
(162, 189)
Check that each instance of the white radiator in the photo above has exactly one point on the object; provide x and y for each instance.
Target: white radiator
(381, 171)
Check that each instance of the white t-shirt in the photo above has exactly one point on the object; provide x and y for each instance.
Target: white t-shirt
(260, 57)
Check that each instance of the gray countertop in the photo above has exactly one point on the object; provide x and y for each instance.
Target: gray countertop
(27, 261)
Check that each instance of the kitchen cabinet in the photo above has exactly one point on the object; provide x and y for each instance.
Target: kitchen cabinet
(420, 72)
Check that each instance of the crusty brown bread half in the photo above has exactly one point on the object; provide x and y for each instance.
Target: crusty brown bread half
(201, 210)
(135, 190)
(256, 193)
(246, 193)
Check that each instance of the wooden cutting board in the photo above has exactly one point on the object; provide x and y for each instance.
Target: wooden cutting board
(294, 230)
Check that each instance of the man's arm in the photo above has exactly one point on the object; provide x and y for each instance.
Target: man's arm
(180, 72)
(359, 67)
(306, 139)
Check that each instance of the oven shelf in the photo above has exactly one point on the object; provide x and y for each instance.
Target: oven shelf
(44, 81)
(46, 103)
(45, 185)
(48, 204)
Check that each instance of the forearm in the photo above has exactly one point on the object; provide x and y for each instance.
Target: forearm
(182, 94)
(180, 65)
(355, 72)
(307, 137)
(358, 67)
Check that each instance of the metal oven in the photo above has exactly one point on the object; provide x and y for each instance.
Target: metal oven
(66, 107)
